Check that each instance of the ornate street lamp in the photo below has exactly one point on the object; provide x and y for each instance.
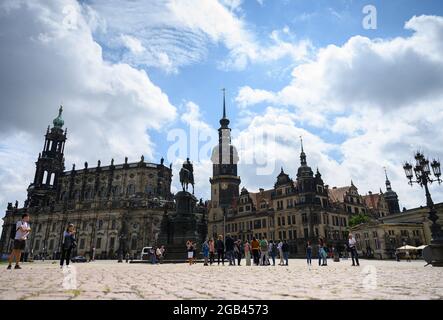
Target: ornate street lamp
(433, 254)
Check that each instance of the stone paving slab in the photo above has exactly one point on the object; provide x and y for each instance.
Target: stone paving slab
(108, 280)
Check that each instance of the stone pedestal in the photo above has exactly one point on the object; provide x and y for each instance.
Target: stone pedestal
(179, 227)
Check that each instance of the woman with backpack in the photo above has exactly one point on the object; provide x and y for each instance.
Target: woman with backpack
(68, 244)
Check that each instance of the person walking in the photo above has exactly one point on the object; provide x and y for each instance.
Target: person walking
(22, 230)
(280, 252)
(220, 247)
(309, 253)
(285, 249)
(323, 255)
(229, 242)
(211, 251)
(353, 247)
(205, 249)
(272, 251)
(238, 249)
(264, 247)
(247, 249)
(68, 243)
(255, 245)
(194, 255)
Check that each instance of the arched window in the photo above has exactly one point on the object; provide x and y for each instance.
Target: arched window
(88, 194)
(100, 224)
(52, 180)
(45, 177)
(77, 195)
(102, 192)
(131, 189)
(116, 191)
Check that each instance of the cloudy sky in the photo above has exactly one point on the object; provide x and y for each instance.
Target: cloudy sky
(145, 77)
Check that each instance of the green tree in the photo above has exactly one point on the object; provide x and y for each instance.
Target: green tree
(358, 219)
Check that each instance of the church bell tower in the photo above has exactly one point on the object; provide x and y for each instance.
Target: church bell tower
(49, 166)
(224, 182)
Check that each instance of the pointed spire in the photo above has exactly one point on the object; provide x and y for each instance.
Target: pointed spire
(224, 103)
(388, 183)
(224, 122)
(302, 154)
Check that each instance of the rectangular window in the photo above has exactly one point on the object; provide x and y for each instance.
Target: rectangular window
(99, 243)
(293, 219)
(283, 221)
(51, 244)
(279, 221)
(82, 244)
(134, 244)
(263, 223)
(284, 235)
(306, 233)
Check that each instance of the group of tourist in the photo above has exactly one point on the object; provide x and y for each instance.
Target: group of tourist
(261, 252)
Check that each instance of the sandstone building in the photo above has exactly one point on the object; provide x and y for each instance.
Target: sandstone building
(115, 206)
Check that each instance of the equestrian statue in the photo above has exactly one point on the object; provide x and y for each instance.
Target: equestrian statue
(187, 175)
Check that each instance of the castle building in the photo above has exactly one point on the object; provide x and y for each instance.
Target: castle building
(297, 211)
(114, 207)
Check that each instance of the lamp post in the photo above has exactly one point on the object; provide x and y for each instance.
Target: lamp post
(423, 177)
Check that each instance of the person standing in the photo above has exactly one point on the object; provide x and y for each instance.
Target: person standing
(320, 249)
(280, 252)
(127, 256)
(238, 249)
(352, 246)
(229, 242)
(211, 251)
(264, 251)
(190, 250)
(255, 245)
(68, 243)
(272, 251)
(285, 249)
(205, 249)
(247, 248)
(220, 246)
(22, 230)
(309, 253)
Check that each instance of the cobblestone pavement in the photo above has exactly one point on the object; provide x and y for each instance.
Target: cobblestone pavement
(112, 280)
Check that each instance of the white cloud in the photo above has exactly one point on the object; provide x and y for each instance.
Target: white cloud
(52, 58)
(133, 44)
(184, 31)
(381, 97)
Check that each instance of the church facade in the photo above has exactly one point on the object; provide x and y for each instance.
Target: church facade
(114, 206)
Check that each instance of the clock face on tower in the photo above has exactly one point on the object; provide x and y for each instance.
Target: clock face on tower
(224, 186)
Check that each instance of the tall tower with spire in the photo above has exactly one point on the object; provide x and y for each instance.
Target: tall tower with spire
(305, 178)
(224, 182)
(49, 166)
(391, 197)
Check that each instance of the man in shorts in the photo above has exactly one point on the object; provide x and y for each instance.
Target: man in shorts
(22, 232)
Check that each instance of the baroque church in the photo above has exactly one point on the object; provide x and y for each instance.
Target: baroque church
(114, 207)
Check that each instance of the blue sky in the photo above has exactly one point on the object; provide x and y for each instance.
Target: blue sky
(130, 73)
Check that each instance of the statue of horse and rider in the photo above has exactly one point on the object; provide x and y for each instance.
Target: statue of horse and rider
(187, 175)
